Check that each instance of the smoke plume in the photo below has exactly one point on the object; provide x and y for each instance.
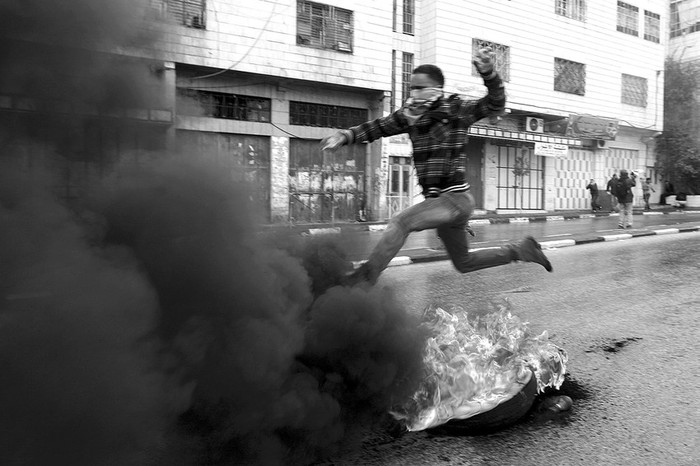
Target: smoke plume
(146, 320)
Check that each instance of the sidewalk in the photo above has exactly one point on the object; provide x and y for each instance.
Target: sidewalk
(479, 217)
(428, 252)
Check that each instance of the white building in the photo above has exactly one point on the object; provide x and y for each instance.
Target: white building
(259, 83)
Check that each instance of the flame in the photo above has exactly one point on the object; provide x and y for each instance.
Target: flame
(475, 363)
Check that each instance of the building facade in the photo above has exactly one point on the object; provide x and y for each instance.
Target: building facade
(255, 85)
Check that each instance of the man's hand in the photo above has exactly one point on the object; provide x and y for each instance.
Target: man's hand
(333, 142)
(484, 61)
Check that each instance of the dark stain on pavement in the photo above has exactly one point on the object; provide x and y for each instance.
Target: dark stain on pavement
(612, 345)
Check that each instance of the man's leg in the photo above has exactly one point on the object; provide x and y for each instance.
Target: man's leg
(431, 213)
(621, 221)
(456, 242)
(626, 214)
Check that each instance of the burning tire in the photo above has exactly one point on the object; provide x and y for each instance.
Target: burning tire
(502, 416)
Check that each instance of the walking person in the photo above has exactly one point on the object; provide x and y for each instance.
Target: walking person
(623, 191)
(610, 189)
(647, 189)
(437, 126)
(593, 187)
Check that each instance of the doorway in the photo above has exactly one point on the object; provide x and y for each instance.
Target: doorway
(475, 170)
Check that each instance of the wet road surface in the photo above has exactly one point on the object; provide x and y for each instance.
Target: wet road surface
(628, 314)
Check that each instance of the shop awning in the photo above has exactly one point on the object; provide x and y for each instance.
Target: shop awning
(490, 132)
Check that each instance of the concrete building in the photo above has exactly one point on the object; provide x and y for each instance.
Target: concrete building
(584, 94)
(257, 84)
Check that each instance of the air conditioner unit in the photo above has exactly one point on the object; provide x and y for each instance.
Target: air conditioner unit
(536, 125)
(594, 144)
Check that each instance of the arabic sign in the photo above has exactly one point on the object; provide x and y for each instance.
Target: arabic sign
(546, 149)
(589, 127)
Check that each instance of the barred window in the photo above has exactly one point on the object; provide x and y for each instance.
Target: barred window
(324, 26)
(227, 106)
(501, 57)
(627, 18)
(191, 13)
(574, 9)
(326, 116)
(406, 72)
(409, 16)
(652, 26)
(634, 90)
(569, 76)
(685, 17)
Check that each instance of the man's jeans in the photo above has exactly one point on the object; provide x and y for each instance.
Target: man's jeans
(625, 214)
(449, 214)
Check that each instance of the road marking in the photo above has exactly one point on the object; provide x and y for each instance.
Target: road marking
(377, 227)
(666, 231)
(555, 217)
(400, 260)
(324, 231)
(652, 213)
(621, 236)
(520, 220)
(562, 243)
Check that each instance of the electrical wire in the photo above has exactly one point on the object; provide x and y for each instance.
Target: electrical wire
(250, 49)
(292, 134)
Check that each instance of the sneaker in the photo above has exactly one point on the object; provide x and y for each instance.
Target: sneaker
(622, 227)
(531, 251)
(628, 226)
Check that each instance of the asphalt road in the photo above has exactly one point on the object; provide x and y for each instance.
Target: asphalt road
(626, 312)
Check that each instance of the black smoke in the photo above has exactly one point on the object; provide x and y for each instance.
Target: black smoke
(148, 321)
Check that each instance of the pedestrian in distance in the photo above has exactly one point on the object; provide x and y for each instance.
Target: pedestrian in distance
(610, 189)
(647, 189)
(623, 191)
(437, 126)
(593, 187)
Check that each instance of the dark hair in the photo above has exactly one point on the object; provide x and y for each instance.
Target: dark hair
(433, 71)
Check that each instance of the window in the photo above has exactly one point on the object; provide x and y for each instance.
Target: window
(409, 16)
(406, 72)
(326, 116)
(627, 18)
(685, 17)
(569, 76)
(574, 9)
(501, 55)
(634, 90)
(652, 26)
(324, 26)
(223, 105)
(189, 12)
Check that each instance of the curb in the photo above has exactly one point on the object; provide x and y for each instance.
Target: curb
(554, 244)
(381, 226)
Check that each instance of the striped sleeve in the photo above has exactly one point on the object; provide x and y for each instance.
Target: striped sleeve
(385, 126)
